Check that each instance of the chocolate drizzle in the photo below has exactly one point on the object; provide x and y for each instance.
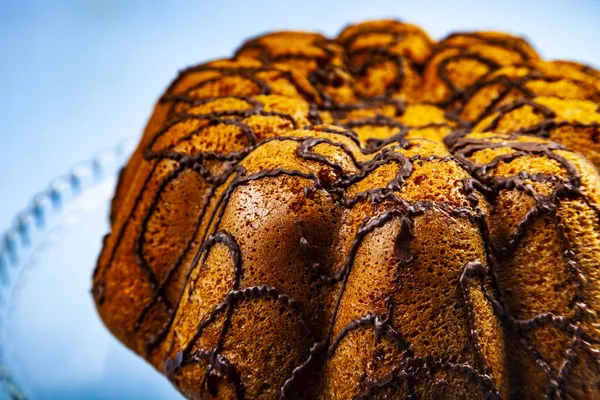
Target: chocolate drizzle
(443, 74)
(465, 51)
(564, 188)
(508, 85)
(512, 43)
(537, 108)
(222, 173)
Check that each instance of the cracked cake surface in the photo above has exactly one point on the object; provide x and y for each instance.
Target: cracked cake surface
(378, 215)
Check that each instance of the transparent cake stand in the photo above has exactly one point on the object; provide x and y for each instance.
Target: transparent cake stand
(52, 342)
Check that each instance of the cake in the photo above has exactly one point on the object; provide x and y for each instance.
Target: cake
(372, 216)
(574, 123)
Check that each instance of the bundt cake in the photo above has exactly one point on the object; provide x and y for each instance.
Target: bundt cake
(372, 216)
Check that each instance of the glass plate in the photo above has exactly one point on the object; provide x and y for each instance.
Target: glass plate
(52, 342)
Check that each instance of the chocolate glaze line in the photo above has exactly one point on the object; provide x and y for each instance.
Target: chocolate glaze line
(570, 360)
(234, 296)
(250, 74)
(229, 241)
(341, 109)
(222, 369)
(367, 226)
(443, 65)
(427, 367)
(139, 242)
(502, 111)
(268, 58)
(541, 363)
(233, 120)
(257, 110)
(378, 54)
(160, 294)
(566, 189)
(317, 349)
(319, 78)
(336, 130)
(381, 325)
(509, 85)
(382, 121)
(542, 129)
(381, 55)
(185, 161)
(98, 289)
(395, 29)
(513, 43)
(376, 162)
(187, 357)
(474, 270)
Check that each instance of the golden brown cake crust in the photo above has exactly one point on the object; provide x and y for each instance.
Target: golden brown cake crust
(372, 216)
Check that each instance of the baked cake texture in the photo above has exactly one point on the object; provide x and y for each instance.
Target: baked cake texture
(372, 216)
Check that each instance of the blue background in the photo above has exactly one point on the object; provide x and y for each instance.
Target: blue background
(80, 76)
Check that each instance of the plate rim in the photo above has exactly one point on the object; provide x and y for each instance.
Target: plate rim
(49, 202)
